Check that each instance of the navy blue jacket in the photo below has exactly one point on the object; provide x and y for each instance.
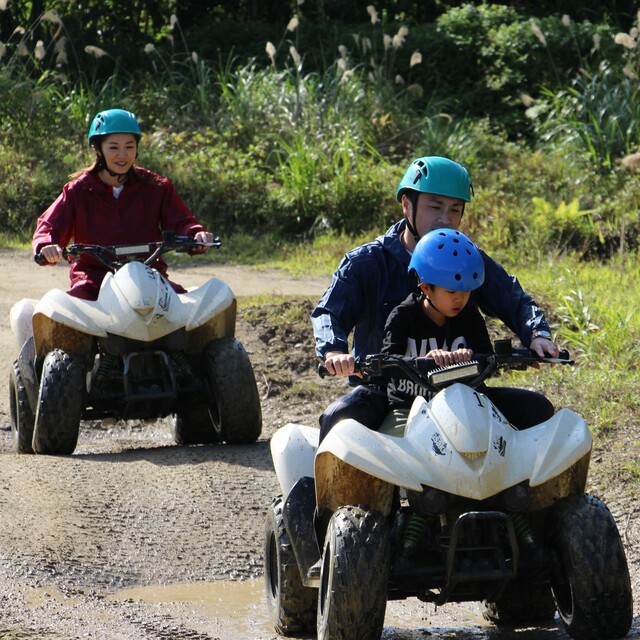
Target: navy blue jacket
(372, 280)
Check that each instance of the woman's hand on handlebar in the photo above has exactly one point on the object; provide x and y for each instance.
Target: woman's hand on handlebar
(340, 364)
(445, 358)
(206, 238)
(53, 253)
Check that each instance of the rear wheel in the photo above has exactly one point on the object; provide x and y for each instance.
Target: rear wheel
(521, 603)
(353, 581)
(589, 577)
(292, 605)
(194, 426)
(21, 415)
(57, 422)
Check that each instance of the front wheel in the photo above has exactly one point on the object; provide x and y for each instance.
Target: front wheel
(57, 423)
(21, 415)
(234, 405)
(589, 577)
(292, 605)
(353, 580)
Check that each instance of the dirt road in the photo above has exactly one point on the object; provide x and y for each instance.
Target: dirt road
(134, 538)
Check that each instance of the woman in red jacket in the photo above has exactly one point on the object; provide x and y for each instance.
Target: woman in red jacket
(113, 202)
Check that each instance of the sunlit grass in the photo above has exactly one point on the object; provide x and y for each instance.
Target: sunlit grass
(11, 241)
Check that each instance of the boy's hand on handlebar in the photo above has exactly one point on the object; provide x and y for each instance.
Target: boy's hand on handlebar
(340, 364)
(445, 358)
(53, 253)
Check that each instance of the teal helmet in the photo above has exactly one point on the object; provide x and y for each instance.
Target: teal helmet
(114, 121)
(448, 259)
(436, 175)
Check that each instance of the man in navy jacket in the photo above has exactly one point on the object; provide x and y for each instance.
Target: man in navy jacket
(373, 279)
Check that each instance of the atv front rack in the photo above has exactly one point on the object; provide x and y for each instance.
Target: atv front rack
(482, 554)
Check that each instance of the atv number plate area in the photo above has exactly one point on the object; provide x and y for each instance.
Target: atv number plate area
(132, 249)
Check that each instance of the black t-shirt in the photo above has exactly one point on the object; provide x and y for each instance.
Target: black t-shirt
(410, 332)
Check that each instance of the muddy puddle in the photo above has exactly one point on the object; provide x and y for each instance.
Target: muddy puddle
(240, 610)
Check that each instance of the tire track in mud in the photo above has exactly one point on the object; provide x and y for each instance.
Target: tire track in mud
(96, 523)
(150, 516)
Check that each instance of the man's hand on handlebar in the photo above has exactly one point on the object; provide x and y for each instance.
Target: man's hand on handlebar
(544, 347)
(340, 364)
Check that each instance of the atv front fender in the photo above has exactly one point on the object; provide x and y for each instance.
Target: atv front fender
(26, 364)
(50, 335)
(338, 484)
(299, 518)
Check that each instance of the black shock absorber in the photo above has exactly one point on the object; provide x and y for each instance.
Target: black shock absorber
(180, 359)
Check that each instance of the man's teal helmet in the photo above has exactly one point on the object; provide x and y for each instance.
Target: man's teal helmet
(440, 176)
(114, 121)
(448, 259)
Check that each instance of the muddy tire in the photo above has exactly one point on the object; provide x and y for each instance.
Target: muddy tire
(21, 415)
(521, 604)
(589, 577)
(354, 576)
(291, 605)
(57, 422)
(234, 406)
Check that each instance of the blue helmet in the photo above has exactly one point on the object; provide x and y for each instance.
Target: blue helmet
(448, 259)
(440, 176)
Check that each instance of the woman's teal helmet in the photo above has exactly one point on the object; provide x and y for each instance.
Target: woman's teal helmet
(448, 259)
(114, 121)
(440, 176)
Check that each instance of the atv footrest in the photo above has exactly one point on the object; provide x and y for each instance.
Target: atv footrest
(149, 381)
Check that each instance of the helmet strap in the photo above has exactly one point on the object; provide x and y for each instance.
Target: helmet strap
(102, 166)
(433, 305)
(411, 224)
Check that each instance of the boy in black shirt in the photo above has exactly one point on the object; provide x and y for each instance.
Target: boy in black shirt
(436, 322)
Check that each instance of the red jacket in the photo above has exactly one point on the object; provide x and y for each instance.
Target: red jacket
(87, 212)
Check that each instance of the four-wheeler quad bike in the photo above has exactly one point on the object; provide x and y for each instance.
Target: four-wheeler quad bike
(140, 351)
(449, 503)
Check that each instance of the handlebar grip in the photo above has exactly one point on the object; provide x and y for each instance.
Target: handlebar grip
(564, 354)
(323, 372)
(40, 259)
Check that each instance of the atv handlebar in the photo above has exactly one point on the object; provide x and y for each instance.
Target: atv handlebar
(426, 373)
(116, 256)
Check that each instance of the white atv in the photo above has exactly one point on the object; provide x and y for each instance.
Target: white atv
(449, 504)
(140, 351)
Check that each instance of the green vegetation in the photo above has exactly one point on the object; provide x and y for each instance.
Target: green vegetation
(303, 139)
(594, 311)
(290, 147)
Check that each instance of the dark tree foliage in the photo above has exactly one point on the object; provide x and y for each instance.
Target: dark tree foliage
(113, 23)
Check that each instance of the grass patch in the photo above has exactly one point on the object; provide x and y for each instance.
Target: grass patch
(296, 257)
